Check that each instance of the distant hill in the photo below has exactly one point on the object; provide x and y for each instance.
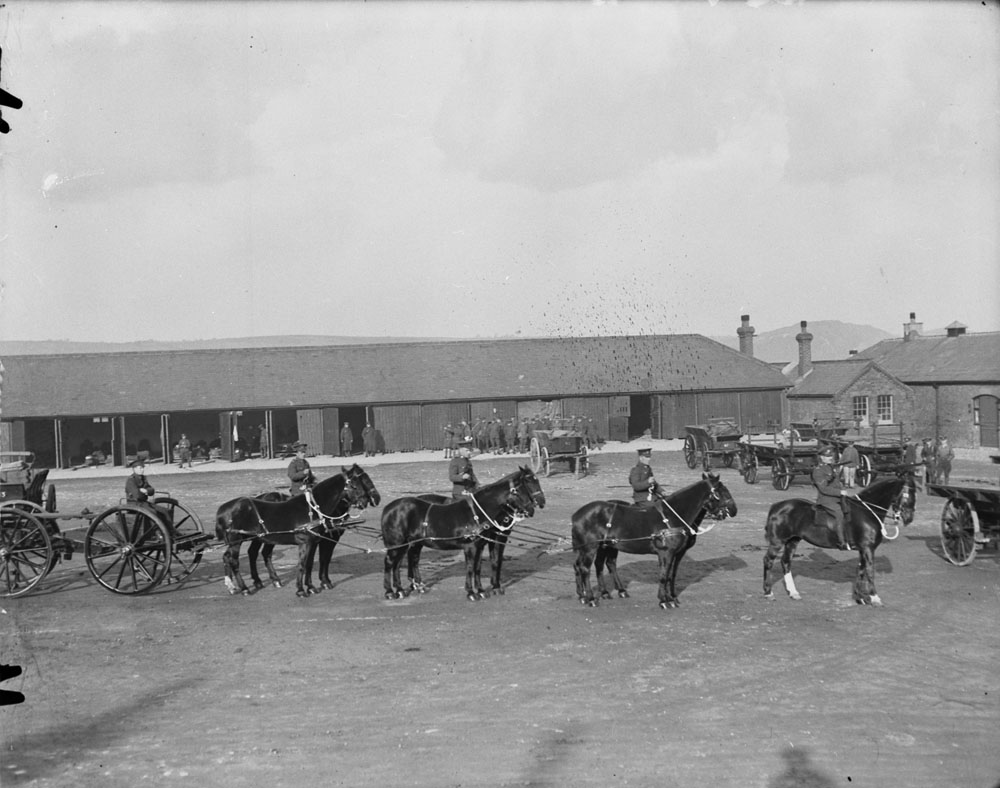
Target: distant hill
(57, 347)
(832, 339)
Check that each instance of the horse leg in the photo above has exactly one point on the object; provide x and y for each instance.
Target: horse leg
(600, 558)
(473, 554)
(477, 566)
(413, 568)
(663, 592)
(773, 549)
(326, 547)
(272, 575)
(612, 561)
(391, 582)
(786, 568)
(253, 549)
(584, 558)
(864, 584)
(496, 563)
(307, 547)
(231, 561)
(672, 565)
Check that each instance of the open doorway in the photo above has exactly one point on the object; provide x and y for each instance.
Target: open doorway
(355, 418)
(640, 415)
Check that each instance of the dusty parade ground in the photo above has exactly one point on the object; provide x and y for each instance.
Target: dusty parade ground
(191, 686)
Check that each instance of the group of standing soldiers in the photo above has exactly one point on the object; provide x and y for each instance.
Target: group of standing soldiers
(510, 436)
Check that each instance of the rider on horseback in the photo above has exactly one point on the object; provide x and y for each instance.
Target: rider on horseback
(830, 495)
(463, 478)
(644, 484)
(299, 471)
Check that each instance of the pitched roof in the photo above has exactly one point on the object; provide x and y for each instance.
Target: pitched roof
(828, 378)
(969, 358)
(151, 382)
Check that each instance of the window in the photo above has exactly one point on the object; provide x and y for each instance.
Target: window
(883, 407)
(860, 408)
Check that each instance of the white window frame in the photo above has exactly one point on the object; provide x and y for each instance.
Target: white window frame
(880, 407)
(859, 408)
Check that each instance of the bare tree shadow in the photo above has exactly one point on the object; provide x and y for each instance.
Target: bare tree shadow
(799, 772)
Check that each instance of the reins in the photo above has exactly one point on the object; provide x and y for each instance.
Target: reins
(896, 514)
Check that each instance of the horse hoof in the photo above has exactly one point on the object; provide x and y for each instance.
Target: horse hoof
(258, 584)
(769, 596)
(796, 597)
(875, 601)
(623, 594)
(245, 592)
(390, 595)
(592, 603)
(327, 586)
(498, 590)
(605, 595)
(302, 593)
(277, 584)
(400, 595)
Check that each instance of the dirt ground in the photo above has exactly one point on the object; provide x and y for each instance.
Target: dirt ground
(189, 685)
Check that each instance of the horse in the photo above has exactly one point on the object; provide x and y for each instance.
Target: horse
(328, 537)
(668, 527)
(792, 520)
(302, 520)
(486, 516)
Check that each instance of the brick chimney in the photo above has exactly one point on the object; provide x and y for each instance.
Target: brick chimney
(745, 333)
(804, 338)
(913, 328)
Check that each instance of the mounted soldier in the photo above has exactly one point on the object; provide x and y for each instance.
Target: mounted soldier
(830, 495)
(460, 472)
(644, 484)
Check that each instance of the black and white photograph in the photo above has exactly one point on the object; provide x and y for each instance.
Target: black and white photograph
(492, 394)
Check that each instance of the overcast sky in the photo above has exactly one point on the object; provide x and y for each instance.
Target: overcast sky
(222, 169)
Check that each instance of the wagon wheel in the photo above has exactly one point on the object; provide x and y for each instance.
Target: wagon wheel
(750, 473)
(536, 455)
(781, 478)
(727, 460)
(546, 463)
(188, 534)
(128, 549)
(865, 473)
(690, 453)
(958, 526)
(26, 553)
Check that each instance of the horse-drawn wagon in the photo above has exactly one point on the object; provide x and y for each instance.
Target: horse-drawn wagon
(786, 453)
(970, 520)
(22, 484)
(129, 548)
(880, 450)
(720, 437)
(559, 444)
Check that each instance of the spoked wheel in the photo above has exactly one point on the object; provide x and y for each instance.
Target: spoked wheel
(958, 527)
(26, 553)
(690, 452)
(546, 463)
(865, 473)
(189, 537)
(128, 549)
(750, 473)
(536, 455)
(780, 476)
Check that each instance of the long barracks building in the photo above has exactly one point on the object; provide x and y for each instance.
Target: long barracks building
(63, 406)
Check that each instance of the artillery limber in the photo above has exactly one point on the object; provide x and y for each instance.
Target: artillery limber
(719, 438)
(129, 548)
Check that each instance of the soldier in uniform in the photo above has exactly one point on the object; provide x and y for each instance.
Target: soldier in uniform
(346, 440)
(184, 451)
(643, 482)
(299, 471)
(830, 494)
(849, 464)
(460, 473)
(449, 440)
(368, 439)
(137, 487)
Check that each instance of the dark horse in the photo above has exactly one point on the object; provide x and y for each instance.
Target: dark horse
(792, 520)
(669, 527)
(304, 520)
(328, 537)
(486, 517)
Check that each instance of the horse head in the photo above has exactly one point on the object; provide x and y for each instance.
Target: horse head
(720, 504)
(526, 481)
(893, 494)
(360, 488)
(905, 503)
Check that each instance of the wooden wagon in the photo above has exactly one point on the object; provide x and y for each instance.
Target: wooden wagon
(786, 453)
(559, 445)
(720, 437)
(970, 520)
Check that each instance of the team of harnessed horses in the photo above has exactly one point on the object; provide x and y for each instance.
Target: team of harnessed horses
(666, 525)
